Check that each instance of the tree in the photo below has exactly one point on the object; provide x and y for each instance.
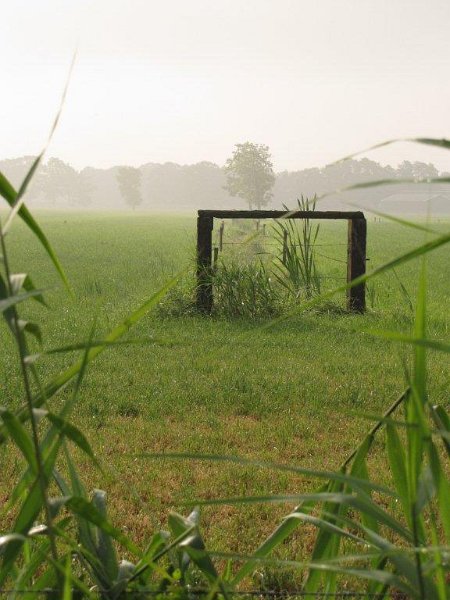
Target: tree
(250, 174)
(60, 181)
(129, 181)
(416, 170)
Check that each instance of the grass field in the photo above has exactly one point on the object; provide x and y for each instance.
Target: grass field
(210, 385)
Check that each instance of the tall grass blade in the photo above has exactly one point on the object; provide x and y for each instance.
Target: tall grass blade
(67, 584)
(27, 573)
(9, 302)
(290, 523)
(17, 203)
(399, 260)
(361, 503)
(27, 515)
(397, 461)
(105, 547)
(340, 477)
(442, 487)
(409, 339)
(115, 334)
(74, 434)
(440, 143)
(10, 195)
(21, 438)
(87, 511)
(442, 423)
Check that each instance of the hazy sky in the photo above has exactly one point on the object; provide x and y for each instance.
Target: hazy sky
(184, 80)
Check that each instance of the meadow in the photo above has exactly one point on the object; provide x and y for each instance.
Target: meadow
(299, 390)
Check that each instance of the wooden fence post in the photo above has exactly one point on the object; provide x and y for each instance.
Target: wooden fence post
(204, 249)
(285, 237)
(356, 263)
(222, 227)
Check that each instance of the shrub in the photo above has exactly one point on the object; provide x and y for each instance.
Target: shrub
(244, 290)
(296, 267)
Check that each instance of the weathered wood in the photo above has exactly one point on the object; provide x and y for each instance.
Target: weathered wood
(285, 238)
(356, 263)
(221, 230)
(204, 248)
(279, 214)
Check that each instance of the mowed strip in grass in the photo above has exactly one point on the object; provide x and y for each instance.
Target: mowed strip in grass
(290, 393)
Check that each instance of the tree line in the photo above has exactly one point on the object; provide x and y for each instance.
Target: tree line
(246, 180)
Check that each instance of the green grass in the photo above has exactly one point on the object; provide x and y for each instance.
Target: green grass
(212, 385)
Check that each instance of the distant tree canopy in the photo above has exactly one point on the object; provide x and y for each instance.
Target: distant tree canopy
(58, 181)
(55, 182)
(129, 181)
(250, 175)
(170, 186)
(416, 170)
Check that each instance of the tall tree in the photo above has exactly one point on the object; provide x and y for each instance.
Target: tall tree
(416, 170)
(129, 181)
(250, 174)
(58, 181)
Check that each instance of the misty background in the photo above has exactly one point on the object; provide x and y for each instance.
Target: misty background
(169, 88)
(174, 187)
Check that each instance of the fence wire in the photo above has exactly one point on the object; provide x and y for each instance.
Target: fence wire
(268, 243)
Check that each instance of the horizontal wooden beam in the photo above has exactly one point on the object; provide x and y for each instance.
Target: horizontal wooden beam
(356, 261)
(280, 214)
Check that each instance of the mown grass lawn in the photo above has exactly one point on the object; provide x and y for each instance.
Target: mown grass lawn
(294, 392)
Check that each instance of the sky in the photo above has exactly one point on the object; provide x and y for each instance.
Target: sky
(185, 80)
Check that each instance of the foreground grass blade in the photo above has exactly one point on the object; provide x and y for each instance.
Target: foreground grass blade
(370, 184)
(397, 219)
(21, 438)
(327, 544)
(10, 195)
(22, 280)
(93, 343)
(15, 199)
(439, 143)
(397, 460)
(399, 260)
(74, 434)
(443, 488)
(328, 475)
(442, 423)
(194, 546)
(11, 301)
(30, 568)
(67, 587)
(290, 523)
(105, 544)
(332, 566)
(27, 515)
(79, 585)
(363, 504)
(87, 511)
(64, 378)
(409, 339)
(10, 546)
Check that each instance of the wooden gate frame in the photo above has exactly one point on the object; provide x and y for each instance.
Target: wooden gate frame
(356, 248)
